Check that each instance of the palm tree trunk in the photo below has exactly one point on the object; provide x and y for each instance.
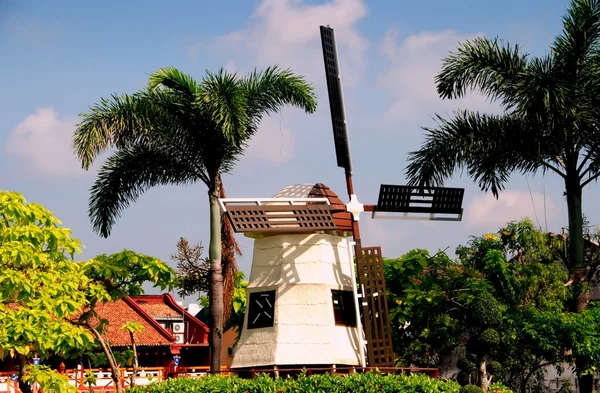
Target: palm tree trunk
(576, 254)
(577, 263)
(576, 258)
(216, 279)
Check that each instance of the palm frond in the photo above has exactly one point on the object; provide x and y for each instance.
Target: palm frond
(272, 88)
(544, 100)
(118, 121)
(267, 91)
(174, 79)
(489, 66)
(490, 147)
(579, 39)
(127, 174)
(223, 103)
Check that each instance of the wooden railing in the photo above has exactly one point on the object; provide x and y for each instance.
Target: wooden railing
(104, 381)
(8, 382)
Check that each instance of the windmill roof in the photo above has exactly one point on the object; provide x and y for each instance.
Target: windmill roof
(341, 217)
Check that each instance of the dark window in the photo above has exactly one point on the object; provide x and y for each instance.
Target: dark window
(261, 310)
(344, 311)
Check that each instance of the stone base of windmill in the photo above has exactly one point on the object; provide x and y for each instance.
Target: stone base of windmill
(301, 305)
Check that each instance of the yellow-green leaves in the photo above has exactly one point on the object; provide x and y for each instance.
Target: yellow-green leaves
(41, 288)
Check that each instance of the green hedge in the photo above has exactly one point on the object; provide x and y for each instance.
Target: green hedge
(359, 383)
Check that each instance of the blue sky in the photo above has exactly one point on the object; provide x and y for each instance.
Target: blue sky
(61, 57)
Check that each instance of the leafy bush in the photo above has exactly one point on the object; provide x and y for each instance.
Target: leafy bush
(494, 367)
(489, 340)
(360, 383)
(486, 311)
(471, 389)
(466, 365)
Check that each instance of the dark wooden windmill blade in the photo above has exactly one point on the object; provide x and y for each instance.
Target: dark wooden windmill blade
(440, 203)
(369, 262)
(336, 99)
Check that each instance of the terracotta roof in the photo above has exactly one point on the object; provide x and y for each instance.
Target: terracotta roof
(119, 312)
(157, 310)
(341, 217)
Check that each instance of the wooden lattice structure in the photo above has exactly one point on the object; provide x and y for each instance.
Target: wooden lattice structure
(376, 321)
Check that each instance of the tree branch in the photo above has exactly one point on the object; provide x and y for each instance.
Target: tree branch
(552, 168)
(590, 179)
(585, 160)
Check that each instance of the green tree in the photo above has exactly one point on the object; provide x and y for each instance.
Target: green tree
(194, 279)
(116, 276)
(131, 328)
(41, 287)
(550, 121)
(47, 300)
(179, 131)
(494, 307)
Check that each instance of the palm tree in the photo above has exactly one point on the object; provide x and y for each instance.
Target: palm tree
(550, 122)
(178, 131)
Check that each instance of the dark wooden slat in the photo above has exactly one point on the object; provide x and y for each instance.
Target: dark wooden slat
(407, 199)
(280, 218)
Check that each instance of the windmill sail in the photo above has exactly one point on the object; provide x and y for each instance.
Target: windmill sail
(336, 99)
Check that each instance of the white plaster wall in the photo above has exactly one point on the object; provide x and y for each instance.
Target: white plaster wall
(300, 259)
(303, 269)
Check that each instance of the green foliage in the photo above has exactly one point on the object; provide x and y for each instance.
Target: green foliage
(486, 311)
(427, 292)
(47, 300)
(466, 365)
(48, 380)
(489, 340)
(360, 383)
(124, 273)
(470, 389)
(132, 327)
(41, 287)
(503, 300)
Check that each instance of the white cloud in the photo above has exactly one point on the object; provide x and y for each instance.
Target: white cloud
(42, 141)
(488, 213)
(410, 78)
(286, 33)
(274, 142)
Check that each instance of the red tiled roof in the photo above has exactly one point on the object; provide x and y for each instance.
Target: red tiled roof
(157, 310)
(119, 312)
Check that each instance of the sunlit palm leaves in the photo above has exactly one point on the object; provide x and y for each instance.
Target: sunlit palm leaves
(551, 117)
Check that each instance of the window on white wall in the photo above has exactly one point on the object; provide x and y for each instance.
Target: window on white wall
(344, 311)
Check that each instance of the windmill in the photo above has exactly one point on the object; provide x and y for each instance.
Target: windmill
(315, 298)
(433, 203)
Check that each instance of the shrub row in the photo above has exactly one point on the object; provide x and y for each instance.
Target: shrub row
(355, 383)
